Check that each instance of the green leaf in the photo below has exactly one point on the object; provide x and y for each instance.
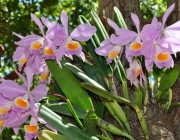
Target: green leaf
(101, 31)
(92, 44)
(63, 109)
(80, 74)
(169, 77)
(103, 137)
(74, 114)
(111, 128)
(90, 122)
(175, 104)
(70, 86)
(120, 114)
(49, 135)
(119, 18)
(109, 96)
(167, 96)
(62, 126)
(138, 96)
(111, 111)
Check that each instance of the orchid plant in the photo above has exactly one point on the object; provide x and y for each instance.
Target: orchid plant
(50, 54)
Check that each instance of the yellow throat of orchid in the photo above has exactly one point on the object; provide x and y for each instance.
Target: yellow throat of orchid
(20, 102)
(48, 51)
(35, 45)
(31, 128)
(2, 121)
(72, 45)
(163, 57)
(136, 46)
(113, 54)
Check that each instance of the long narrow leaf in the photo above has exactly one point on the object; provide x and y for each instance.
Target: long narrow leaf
(70, 86)
(67, 129)
(110, 96)
(62, 108)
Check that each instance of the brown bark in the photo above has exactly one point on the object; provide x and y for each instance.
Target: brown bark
(175, 16)
(125, 6)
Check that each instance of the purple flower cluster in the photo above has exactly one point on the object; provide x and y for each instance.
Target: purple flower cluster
(34, 49)
(155, 42)
(18, 102)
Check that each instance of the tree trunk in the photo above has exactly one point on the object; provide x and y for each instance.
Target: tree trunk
(175, 16)
(125, 6)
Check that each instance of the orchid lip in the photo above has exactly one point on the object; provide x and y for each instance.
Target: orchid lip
(113, 54)
(44, 76)
(21, 103)
(72, 45)
(31, 128)
(23, 60)
(2, 122)
(48, 51)
(162, 57)
(3, 111)
(35, 45)
(138, 71)
(136, 46)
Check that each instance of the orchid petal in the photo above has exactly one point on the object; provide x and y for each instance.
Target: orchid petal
(39, 92)
(124, 39)
(18, 53)
(27, 40)
(60, 53)
(82, 56)
(136, 21)
(23, 79)
(18, 35)
(83, 32)
(104, 48)
(16, 130)
(15, 121)
(34, 106)
(11, 89)
(64, 20)
(51, 30)
(148, 49)
(168, 11)
(149, 32)
(175, 27)
(3, 100)
(29, 74)
(38, 22)
(59, 35)
(45, 21)
(148, 64)
(112, 24)
(123, 31)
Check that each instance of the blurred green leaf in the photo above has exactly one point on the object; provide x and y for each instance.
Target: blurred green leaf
(49, 135)
(90, 122)
(169, 78)
(70, 86)
(63, 109)
(65, 128)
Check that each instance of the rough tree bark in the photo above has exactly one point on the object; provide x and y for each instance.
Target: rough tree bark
(175, 112)
(175, 16)
(125, 6)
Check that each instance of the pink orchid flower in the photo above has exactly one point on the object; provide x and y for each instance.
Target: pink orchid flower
(69, 47)
(134, 72)
(109, 49)
(23, 99)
